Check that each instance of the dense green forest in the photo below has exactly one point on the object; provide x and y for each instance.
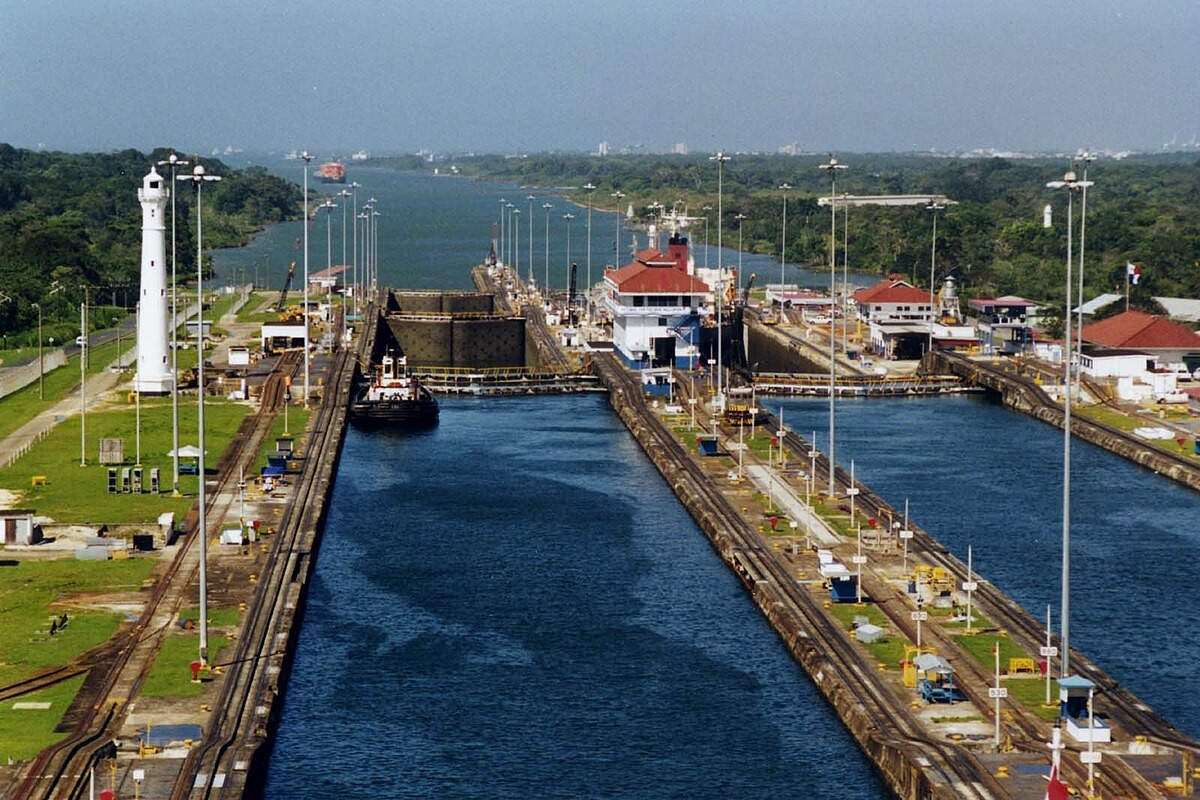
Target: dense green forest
(72, 220)
(1144, 209)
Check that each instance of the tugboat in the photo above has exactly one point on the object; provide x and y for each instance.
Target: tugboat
(395, 398)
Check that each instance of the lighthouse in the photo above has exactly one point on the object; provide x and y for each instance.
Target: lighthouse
(153, 366)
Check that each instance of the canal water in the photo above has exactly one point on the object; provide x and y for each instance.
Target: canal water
(977, 474)
(514, 605)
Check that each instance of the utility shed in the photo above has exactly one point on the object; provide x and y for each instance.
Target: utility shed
(868, 634)
(17, 527)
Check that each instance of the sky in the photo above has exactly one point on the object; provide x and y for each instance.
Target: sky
(535, 75)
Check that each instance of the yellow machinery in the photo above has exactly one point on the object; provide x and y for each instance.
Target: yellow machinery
(936, 578)
(908, 666)
(292, 314)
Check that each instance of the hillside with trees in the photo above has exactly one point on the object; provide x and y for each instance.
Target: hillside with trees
(74, 219)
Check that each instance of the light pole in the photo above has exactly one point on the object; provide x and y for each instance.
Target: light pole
(833, 166)
(720, 158)
(198, 177)
(706, 209)
(137, 369)
(173, 162)
(307, 158)
(845, 264)
(502, 250)
(328, 206)
(354, 225)
(617, 195)
(509, 238)
(83, 353)
(1072, 185)
(935, 207)
(784, 187)
(568, 217)
(41, 363)
(375, 249)
(344, 193)
(546, 288)
(516, 217)
(1087, 158)
(587, 295)
(740, 216)
(530, 251)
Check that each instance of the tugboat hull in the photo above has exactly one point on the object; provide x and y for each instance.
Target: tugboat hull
(421, 413)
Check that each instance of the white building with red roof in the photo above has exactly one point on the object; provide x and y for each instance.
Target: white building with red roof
(1169, 342)
(893, 300)
(655, 307)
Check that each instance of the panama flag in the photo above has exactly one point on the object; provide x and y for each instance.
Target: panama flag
(1133, 272)
(1055, 789)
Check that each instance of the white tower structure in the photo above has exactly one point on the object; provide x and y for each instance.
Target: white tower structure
(153, 366)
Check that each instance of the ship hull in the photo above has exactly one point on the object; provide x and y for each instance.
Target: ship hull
(420, 413)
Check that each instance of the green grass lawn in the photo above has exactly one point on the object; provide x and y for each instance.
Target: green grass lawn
(1126, 422)
(297, 418)
(217, 617)
(889, 650)
(980, 647)
(13, 356)
(250, 312)
(23, 405)
(27, 591)
(171, 675)
(80, 494)
(1031, 692)
(26, 732)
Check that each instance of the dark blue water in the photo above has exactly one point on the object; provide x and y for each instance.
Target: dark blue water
(435, 228)
(978, 474)
(514, 605)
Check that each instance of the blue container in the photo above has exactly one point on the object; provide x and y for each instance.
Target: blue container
(707, 443)
(844, 590)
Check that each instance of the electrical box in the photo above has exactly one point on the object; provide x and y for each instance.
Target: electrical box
(125, 480)
(137, 480)
(112, 480)
(154, 480)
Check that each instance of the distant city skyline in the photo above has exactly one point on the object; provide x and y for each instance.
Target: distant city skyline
(814, 75)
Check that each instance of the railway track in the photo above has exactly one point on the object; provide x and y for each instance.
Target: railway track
(50, 774)
(238, 724)
(1125, 709)
(956, 772)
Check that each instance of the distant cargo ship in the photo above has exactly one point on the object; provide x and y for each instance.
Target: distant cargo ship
(361, 155)
(332, 172)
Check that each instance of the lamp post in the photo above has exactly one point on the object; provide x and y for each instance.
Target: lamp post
(1071, 183)
(832, 166)
(328, 207)
(568, 217)
(516, 217)
(617, 195)
(375, 214)
(41, 363)
(784, 187)
(344, 194)
(706, 209)
(502, 250)
(83, 354)
(720, 158)
(530, 199)
(137, 391)
(1087, 158)
(365, 216)
(509, 238)
(173, 161)
(845, 265)
(354, 231)
(198, 177)
(740, 216)
(935, 207)
(307, 158)
(587, 295)
(546, 288)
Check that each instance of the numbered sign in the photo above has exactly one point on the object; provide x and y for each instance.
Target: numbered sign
(1090, 757)
(906, 534)
(919, 616)
(812, 453)
(970, 586)
(853, 490)
(858, 559)
(998, 692)
(1048, 652)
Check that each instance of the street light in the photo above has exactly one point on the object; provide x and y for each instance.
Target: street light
(41, 364)
(587, 295)
(833, 166)
(530, 199)
(173, 161)
(719, 400)
(508, 207)
(1087, 158)
(568, 217)
(547, 207)
(375, 249)
(502, 250)
(739, 217)
(706, 209)
(617, 195)
(198, 177)
(934, 207)
(516, 218)
(344, 194)
(306, 157)
(784, 187)
(354, 225)
(1071, 183)
(328, 206)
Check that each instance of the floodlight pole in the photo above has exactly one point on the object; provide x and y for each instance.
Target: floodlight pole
(546, 287)
(784, 187)
(587, 294)
(530, 199)
(1087, 158)
(173, 161)
(617, 241)
(354, 225)
(833, 166)
(198, 177)
(83, 384)
(307, 158)
(719, 400)
(934, 207)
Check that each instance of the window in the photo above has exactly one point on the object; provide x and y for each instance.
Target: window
(638, 301)
(662, 321)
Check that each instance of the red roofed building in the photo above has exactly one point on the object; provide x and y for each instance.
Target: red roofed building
(1169, 342)
(654, 303)
(893, 300)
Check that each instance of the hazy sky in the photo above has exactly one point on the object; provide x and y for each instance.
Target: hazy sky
(537, 74)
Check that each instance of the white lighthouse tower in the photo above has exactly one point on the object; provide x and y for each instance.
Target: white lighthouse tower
(153, 365)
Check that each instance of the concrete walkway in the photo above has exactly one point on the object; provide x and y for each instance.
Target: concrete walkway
(770, 484)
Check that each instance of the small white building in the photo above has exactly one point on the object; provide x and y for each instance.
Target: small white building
(1100, 362)
(17, 527)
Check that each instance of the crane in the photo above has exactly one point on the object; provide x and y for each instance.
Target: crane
(286, 284)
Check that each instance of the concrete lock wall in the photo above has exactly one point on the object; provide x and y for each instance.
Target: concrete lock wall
(418, 302)
(414, 302)
(14, 378)
(773, 355)
(424, 342)
(489, 343)
(468, 303)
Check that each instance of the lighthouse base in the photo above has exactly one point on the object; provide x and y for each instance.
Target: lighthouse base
(160, 384)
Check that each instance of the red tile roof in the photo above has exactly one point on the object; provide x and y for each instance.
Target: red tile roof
(1141, 331)
(640, 278)
(892, 291)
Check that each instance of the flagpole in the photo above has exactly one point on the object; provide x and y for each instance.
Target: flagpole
(1127, 270)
